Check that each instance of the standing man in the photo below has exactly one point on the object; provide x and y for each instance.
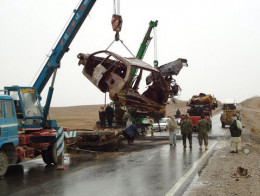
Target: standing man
(102, 117)
(119, 113)
(178, 113)
(203, 128)
(186, 131)
(109, 115)
(235, 131)
(172, 126)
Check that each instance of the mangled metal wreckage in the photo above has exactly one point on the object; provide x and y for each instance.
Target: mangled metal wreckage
(112, 73)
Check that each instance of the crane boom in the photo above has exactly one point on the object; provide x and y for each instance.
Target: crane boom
(63, 44)
(144, 45)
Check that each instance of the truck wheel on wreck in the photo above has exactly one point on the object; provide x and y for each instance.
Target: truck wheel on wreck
(3, 163)
(49, 156)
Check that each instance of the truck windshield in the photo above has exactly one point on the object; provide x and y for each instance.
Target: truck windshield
(30, 103)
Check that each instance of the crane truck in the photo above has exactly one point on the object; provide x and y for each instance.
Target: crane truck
(25, 130)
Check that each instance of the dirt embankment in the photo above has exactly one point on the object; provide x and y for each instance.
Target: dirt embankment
(217, 177)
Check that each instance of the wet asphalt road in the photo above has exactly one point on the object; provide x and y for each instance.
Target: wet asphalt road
(146, 168)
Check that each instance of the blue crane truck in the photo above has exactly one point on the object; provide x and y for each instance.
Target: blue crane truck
(25, 130)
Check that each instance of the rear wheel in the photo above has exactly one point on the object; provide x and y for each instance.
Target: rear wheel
(49, 156)
(3, 163)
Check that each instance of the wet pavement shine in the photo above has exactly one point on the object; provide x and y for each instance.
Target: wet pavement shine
(151, 170)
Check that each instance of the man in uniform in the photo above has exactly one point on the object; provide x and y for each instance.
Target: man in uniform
(119, 113)
(235, 131)
(186, 131)
(203, 128)
(109, 115)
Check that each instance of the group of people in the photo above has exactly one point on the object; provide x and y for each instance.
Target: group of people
(203, 127)
(108, 114)
(130, 131)
(186, 126)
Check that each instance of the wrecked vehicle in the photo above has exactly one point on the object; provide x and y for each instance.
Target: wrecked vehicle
(168, 70)
(112, 73)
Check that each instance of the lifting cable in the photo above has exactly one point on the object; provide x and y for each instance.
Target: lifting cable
(117, 22)
(155, 62)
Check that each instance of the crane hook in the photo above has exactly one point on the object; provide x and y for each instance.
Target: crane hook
(117, 20)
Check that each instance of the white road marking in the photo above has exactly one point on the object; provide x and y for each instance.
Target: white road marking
(175, 188)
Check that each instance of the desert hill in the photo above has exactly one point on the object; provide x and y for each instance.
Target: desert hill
(86, 116)
(250, 111)
(253, 102)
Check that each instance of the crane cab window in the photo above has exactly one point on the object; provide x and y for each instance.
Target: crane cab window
(1, 109)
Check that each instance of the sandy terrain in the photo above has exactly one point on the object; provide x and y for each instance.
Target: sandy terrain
(77, 117)
(217, 178)
(85, 117)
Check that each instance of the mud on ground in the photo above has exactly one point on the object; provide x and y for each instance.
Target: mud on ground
(217, 176)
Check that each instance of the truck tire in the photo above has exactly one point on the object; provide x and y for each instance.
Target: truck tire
(3, 163)
(49, 156)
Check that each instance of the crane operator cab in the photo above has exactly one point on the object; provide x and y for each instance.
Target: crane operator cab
(27, 105)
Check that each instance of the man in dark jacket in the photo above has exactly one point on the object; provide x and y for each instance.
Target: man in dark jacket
(130, 133)
(109, 115)
(102, 117)
(119, 113)
(235, 131)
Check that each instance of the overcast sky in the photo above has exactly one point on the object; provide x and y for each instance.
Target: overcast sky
(220, 39)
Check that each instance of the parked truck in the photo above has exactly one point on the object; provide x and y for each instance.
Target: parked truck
(228, 111)
(25, 130)
(198, 105)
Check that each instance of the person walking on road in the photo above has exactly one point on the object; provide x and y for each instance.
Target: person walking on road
(235, 131)
(172, 126)
(186, 131)
(203, 128)
(178, 113)
(109, 115)
(102, 117)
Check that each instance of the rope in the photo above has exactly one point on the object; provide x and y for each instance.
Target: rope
(123, 45)
(155, 43)
(127, 48)
(118, 7)
(114, 7)
(110, 44)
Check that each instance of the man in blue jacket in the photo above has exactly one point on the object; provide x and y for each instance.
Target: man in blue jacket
(130, 133)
